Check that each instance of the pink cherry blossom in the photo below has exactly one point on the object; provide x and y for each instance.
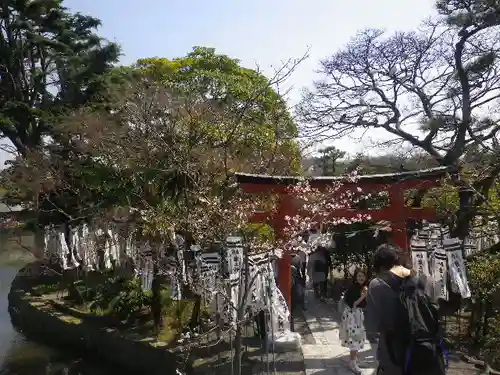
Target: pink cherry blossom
(317, 206)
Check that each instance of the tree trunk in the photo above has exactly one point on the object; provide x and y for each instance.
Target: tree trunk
(473, 322)
(465, 213)
(238, 348)
(39, 242)
(156, 286)
(243, 290)
(195, 315)
(488, 313)
(478, 324)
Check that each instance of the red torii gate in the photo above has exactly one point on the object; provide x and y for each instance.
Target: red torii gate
(397, 212)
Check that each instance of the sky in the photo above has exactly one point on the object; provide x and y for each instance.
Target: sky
(259, 32)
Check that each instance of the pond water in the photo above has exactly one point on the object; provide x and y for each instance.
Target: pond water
(20, 356)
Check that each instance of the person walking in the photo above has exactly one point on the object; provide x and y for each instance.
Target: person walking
(298, 287)
(317, 267)
(352, 331)
(328, 259)
(406, 319)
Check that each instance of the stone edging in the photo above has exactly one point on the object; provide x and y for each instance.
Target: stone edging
(38, 319)
(46, 321)
(483, 366)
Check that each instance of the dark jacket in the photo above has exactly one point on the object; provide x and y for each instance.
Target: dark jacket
(380, 314)
(352, 294)
(299, 262)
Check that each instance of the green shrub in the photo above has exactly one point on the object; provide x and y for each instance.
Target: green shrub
(177, 316)
(123, 298)
(259, 232)
(489, 350)
(484, 274)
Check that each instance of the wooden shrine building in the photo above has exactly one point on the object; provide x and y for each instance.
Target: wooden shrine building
(397, 213)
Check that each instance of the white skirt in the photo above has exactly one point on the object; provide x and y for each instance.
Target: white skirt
(352, 332)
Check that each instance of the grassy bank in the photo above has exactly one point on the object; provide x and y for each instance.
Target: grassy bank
(118, 305)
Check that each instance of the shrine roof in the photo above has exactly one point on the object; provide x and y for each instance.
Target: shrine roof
(423, 174)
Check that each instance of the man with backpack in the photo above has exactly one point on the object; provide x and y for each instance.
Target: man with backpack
(405, 318)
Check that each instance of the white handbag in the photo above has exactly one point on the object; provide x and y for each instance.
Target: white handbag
(343, 322)
(341, 305)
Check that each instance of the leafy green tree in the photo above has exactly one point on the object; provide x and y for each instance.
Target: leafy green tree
(162, 153)
(51, 61)
(265, 128)
(151, 155)
(164, 141)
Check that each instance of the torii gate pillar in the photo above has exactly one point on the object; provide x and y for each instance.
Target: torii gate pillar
(396, 213)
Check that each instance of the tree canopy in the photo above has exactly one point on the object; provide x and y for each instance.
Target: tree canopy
(171, 136)
(51, 61)
(265, 126)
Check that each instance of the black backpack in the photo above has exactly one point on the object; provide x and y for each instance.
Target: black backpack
(416, 345)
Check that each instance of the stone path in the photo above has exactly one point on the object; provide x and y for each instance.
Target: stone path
(323, 354)
(326, 356)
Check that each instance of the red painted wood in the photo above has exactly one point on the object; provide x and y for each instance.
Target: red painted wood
(387, 214)
(366, 187)
(397, 213)
(285, 207)
(400, 214)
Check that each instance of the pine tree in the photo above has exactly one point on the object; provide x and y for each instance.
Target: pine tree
(51, 60)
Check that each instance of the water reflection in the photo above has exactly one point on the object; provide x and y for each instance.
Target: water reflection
(19, 356)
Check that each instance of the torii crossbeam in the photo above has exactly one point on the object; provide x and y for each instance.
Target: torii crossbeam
(395, 184)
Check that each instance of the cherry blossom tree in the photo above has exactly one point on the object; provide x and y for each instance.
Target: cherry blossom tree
(320, 206)
(157, 158)
(332, 209)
